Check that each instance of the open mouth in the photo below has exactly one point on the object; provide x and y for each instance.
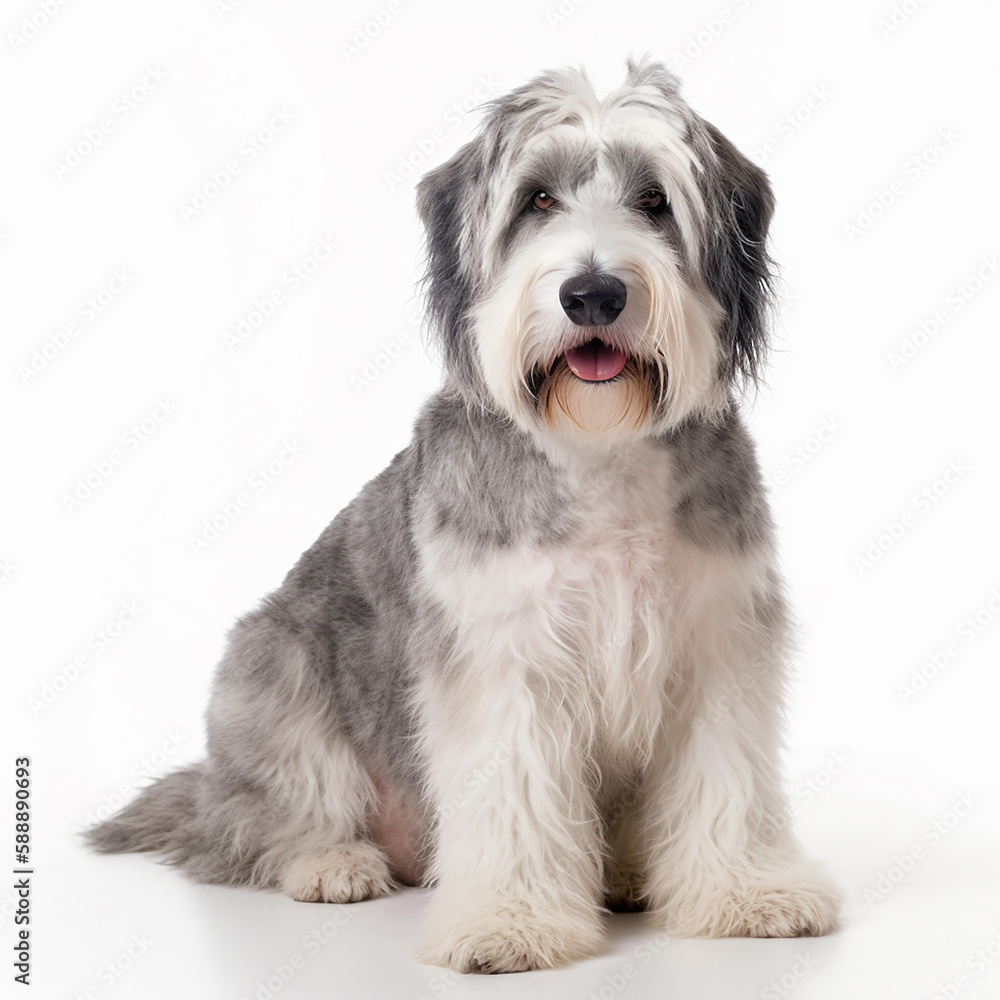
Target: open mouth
(595, 361)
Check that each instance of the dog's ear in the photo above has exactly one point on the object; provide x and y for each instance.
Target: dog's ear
(443, 204)
(736, 264)
(645, 71)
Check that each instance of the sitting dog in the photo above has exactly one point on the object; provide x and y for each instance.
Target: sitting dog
(539, 661)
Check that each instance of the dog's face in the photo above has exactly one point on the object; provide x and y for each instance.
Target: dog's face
(598, 267)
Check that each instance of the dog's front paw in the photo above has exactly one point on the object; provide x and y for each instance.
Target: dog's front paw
(510, 936)
(342, 873)
(797, 903)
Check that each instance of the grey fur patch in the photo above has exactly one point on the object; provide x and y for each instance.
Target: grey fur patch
(722, 503)
(448, 287)
(737, 266)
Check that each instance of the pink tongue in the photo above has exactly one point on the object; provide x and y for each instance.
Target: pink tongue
(595, 361)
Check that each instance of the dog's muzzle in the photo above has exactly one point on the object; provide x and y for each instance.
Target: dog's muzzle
(594, 300)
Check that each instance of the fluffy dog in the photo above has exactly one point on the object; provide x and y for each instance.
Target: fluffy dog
(539, 661)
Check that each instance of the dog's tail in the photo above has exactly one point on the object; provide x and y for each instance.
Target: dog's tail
(159, 820)
(209, 829)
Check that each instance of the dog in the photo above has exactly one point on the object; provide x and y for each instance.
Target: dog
(539, 662)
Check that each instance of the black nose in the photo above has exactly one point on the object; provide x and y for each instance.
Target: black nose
(592, 299)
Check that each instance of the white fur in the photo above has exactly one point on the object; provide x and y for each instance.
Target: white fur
(341, 873)
(593, 661)
(667, 317)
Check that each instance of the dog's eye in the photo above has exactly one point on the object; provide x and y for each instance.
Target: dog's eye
(542, 200)
(652, 201)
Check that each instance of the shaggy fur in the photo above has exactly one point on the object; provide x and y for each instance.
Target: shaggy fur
(539, 661)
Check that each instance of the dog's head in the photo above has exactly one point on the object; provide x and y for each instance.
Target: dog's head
(598, 267)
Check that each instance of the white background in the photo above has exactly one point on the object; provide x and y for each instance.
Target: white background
(873, 763)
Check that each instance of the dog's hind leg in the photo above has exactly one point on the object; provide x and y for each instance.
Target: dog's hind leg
(283, 801)
(273, 722)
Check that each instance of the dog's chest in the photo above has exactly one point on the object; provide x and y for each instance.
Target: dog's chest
(590, 611)
(616, 577)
